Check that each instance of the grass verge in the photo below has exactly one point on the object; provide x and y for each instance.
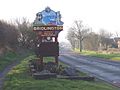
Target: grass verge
(115, 57)
(11, 57)
(19, 79)
(7, 59)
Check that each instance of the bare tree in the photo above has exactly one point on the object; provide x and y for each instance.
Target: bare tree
(8, 37)
(91, 42)
(80, 32)
(71, 37)
(26, 35)
(104, 38)
(2, 34)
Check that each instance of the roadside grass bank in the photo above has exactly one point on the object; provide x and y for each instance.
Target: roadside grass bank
(115, 57)
(19, 79)
(11, 57)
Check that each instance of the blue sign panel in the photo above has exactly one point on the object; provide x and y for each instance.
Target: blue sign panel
(48, 17)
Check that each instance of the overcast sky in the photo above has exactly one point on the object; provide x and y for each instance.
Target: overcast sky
(96, 14)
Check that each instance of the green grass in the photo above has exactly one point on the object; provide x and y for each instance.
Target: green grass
(115, 58)
(85, 52)
(19, 79)
(100, 55)
(11, 57)
(7, 59)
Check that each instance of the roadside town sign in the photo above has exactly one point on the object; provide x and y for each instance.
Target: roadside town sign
(48, 22)
(47, 26)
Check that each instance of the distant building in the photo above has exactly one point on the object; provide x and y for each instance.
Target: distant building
(116, 43)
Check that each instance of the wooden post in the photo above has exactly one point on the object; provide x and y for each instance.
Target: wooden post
(56, 60)
(56, 39)
(39, 62)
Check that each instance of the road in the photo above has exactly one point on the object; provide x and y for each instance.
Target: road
(103, 69)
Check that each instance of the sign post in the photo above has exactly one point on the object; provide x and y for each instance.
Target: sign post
(47, 26)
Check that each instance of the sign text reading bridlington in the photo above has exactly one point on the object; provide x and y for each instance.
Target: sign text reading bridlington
(39, 28)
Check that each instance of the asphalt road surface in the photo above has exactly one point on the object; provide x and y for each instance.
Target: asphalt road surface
(103, 69)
